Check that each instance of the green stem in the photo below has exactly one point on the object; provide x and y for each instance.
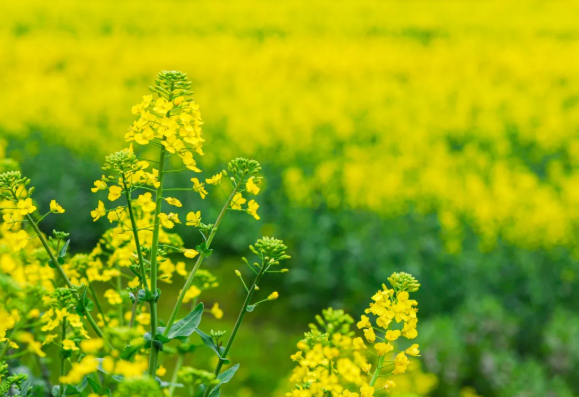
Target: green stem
(175, 374)
(377, 371)
(63, 274)
(133, 312)
(98, 304)
(191, 276)
(136, 236)
(62, 360)
(154, 249)
(238, 323)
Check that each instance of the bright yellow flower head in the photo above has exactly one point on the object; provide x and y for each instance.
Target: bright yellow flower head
(55, 207)
(113, 297)
(215, 179)
(251, 187)
(193, 218)
(114, 193)
(25, 207)
(146, 202)
(237, 201)
(173, 201)
(216, 311)
(190, 253)
(252, 207)
(99, 211)
(69, 345)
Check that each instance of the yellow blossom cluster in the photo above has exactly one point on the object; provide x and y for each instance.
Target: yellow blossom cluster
(336, 362)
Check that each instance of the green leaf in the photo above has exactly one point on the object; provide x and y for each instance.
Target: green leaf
(187, 325)
(208, 341)
(25, 388)
(225, 377)
(157, 295)
(142, 295)
(129, 352)
(94, 385)
(63, 250)
(250, 308)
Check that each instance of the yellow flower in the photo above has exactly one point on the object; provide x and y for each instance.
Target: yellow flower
(92, 345)
(192, 293)
(20, 240)
(161, 371)
(252, 207)
(168, 221)
(194, 218)
(190, 253)
(364, 322)
(237, 201)
(199, 187)
(389, 384)
(400, 363)
(392, 335)
(297, 356)
(146, 202)
(370, 335)
(114, 193)
(383, 348)
(99, 185)
(215, 179)
(173, 201)
(367, 391)
(359, 343)
(143, 318)
(25, 207)
(273, 296)
(251, 187)
(99, 211)
(216, 311)
(413, 350)
(113, 297)
(49, 339)
(55, 207)
(67, 344)
(181, 269)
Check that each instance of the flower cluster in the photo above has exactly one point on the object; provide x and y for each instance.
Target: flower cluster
(335, 361)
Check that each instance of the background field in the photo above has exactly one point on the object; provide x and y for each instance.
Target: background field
(434, 137)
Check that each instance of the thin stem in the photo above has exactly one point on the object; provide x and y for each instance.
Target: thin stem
(175, 374)
(154, 249)
(133, 312)
(191, 276)
(237, 324)
(63, 274)
(136, 236)
(62, 360)
(119, 288)
(377, 371)
(98, 304)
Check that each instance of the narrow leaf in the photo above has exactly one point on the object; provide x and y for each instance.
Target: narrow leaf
(186, 326)
(225, 377)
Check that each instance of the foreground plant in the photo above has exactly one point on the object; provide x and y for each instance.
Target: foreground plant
(101, 308)
(333, 362)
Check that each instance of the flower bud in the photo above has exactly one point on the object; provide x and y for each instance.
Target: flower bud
(274, 295)
(238, 273)
(257, 288)
(284, 270)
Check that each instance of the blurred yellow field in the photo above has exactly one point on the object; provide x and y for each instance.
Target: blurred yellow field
(466, 108)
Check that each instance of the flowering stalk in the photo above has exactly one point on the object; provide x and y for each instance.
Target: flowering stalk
(154, 247)
(376, 374)
(135, 235)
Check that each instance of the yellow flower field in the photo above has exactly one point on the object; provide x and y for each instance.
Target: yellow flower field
(467, 108)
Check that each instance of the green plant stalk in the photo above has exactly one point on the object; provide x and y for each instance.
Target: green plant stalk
(136, 236)
(154, 249)
(119, 289)
(377, 371)
(98, 304)
(238, 323)
(62, 360)
(175, 374)
(63, 274)
(191, 276)
(133, 312)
